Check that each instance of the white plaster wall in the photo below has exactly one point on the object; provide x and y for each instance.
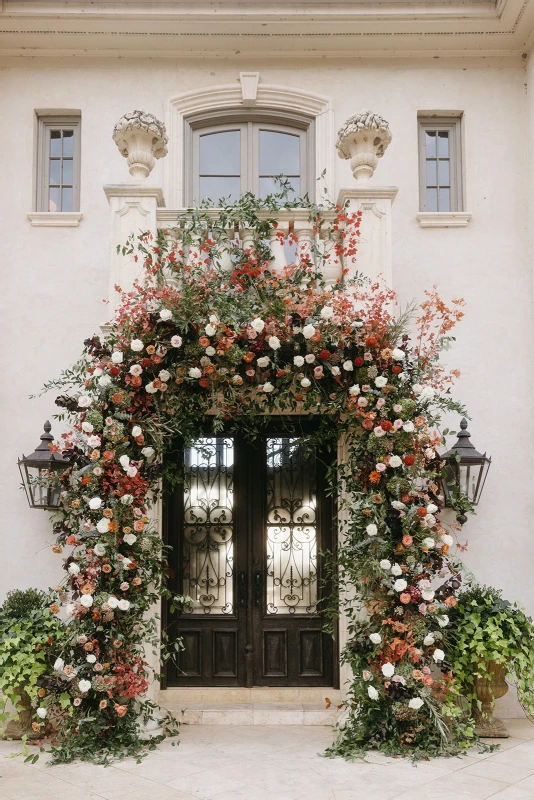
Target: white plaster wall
(55, 279)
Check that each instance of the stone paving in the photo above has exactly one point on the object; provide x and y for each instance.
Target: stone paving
(277, 763)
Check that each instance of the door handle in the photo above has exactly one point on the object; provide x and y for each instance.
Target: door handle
(257, 588)
(242, 590)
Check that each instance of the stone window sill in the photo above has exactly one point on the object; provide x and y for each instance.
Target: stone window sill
(55, 219)
(444, 219)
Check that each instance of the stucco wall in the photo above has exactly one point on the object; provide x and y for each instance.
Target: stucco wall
(54, 279)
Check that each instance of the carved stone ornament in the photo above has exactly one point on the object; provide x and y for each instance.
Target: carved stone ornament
(141, 138)
(363, 138)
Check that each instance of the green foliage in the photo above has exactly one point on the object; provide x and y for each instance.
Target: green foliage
(21, 602)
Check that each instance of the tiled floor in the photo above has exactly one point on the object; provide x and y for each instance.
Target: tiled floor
(262, 763)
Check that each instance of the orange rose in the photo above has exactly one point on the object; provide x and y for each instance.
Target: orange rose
(95, 455)
(405, 597)
(121, 710)
(136, 381)
(138, 525)
(151, 349)
(109, 455)
(421, 512)
(113, 526)
(407, 540)
(106, 568)
(57, 549)
(87, 588)
(54, 608)
(374, 476)
(419, 422)
(36, 727)
(108, 512)
(156, 359)
(428, 680)
(368, 424)
(136, 582)
(117, 397)
(41, 692)
(431, 608)
(156, 383)
(103, 704)
(450, 602)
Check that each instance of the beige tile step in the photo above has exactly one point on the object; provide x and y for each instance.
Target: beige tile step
(281, 713)
(258, 694)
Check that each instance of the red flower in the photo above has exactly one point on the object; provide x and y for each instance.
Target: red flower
(409, 460)
(324, 355)
(386, 425)
(146, 362)
(358, 362)
(114, 371)
(396, 369)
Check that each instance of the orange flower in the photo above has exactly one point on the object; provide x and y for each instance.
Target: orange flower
(421, 512)
(121, 710)
(444, 549)
(156, 383)
(405, 597)
(151, 349)
(106, 568)
(117, 397)
(108, 512)
(419, 422)
(204, 341)
(109, 455)
(57, 549)
(95, 455)
(428, 680)
(103, 704)
(136, 582)
(407, 540)
(138, 525)
(374, 476)
(54, 608)
(85, 480)
(72, 538)
(136, 381)
(248, 357)
(113, 526)
(87, 588)
(36, 727)
(431, 608)
(450, 602)
(368, 424)
(417, 674)
(41, 692)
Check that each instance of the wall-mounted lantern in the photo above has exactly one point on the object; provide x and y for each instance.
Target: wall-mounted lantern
(465, 470)
(40, 473)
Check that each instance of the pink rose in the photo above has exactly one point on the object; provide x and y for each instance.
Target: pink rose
(422, 608)
(318, 372)
(77, 701)
(380, 403)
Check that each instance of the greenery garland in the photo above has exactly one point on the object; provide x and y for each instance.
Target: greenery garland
(216, 332)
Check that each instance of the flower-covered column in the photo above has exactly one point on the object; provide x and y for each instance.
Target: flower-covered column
(363, 139)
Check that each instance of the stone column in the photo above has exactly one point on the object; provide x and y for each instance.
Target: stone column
(363, 139)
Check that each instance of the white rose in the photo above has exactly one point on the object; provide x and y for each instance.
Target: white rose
(210, 351)
(86, 601)
(74, 568)
(59, 664)
(116, 357)
(94, 440)
(310, 358)
(428, 594)
(400, 585)
(84, 686)
(136, 369)
(268, 387)
(371, 529)
(214, 318)
(443, 621)
(335, 371)
(112, 601)
(447, 539)
(136, 431)
(327, 312)
(125, 562)
(124, 605)
(90, 658)
(398, 505)
(95, 503)
(431, 508)
(194, 372)
(395, 461)
(176, 341)
(100, 549)
(84, 401)
(102, 525)
(136, 345)
(373, 694)
(429, 639)
(379, 432)
(264, 361)
(348, 366)
(358, 323)
(41, 712)
(97, 372)
(274, 342)
(385, 564)
(165, 314)
(257, 324)
(396, 569)
(70, 608)
(409, 427)
(375, 638)
(388, 670)
(398, 354)
(164, 375)
(148, 452)
(132, 472)
(415, 702)
(87, 427)
(438, 655)
(427, 393)
(210, 329)
(127, 499)
(429, 453)
(308, 331)
(380, 382)
(428, 542)
(354, 390)
(417, 388)
(305, 382)
(124, 461)
(298, 361)
(130, 538)
(150, 388)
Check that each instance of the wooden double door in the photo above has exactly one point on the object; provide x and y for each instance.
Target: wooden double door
(247, 527)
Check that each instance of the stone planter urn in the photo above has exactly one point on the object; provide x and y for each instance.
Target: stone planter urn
(22, 725)
(487, 691)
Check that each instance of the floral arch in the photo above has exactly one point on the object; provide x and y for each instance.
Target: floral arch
(216, 329)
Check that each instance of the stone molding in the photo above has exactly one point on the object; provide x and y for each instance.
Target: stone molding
(141, 139)
(55, 219)
(444, 219)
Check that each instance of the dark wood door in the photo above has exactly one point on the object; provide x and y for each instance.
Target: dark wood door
(247, 527)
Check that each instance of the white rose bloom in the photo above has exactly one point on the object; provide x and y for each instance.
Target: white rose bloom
(130, 538)
(400, 585)
(373, 694)
(429, 520)
(210, 329)
(308, 331)
(398, 354)
(125, 562)
(371, 529)
(59, 664)
(385, 564)
(127, 499)
(429, 639)
(375, 638)
(379, 432)
(447, 539)
(264, 361)
(427, 393)
(268, 387)
(429, 453)
(136, 369)
(132, 472)
(214, 318)
(431, 508)
(136, 345)
(395, 461)
(210, 351)
(84, 686)
(112, 601)
(443, 621)
(164, 375)
(102, 525)
(195, 372)
(380, 382)
(417, 388)
(398, 505)
(86, 601)
(100, 549)
(124, 461)
(116, 357)
(74, 568)
(298, 361)
(165, 314)
(388, 670)
(136, 431)
(94, 440)
(354, 390)
(257, 324)
(305, 382)
(84, 401)
(124, 605)
(310, 358)
(428, 594)
(438, 655)
(90, 658)
(358, 323)
(327, 312)
(95, 503)
(70, 608)
(97, 372)
(415, 702)
(274, 342)
(176, 341)
(335, 371)
(87, 427)
(150, 388)
(41, 712)
(409, 427)
(396, 569)
(148, 452)
(428, 542)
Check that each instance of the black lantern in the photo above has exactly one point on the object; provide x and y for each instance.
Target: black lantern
(40, 473)
(466, 469)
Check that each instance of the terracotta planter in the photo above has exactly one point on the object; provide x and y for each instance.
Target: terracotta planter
(22, 725)
(487, 691)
